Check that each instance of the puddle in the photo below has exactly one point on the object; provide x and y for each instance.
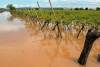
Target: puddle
(22, 44)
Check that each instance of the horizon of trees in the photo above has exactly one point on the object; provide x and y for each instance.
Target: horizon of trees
(11, 7)
(97, 8)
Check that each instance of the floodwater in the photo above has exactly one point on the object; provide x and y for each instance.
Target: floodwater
(22, 44)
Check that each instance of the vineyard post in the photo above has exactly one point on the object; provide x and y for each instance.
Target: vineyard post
(57, 24)
(52, 9)
(40, 10)
(39, 7)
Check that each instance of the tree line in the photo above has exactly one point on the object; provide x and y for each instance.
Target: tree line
(11, 7)
(97, 8)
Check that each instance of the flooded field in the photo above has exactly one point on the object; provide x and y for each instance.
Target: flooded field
(22, 44)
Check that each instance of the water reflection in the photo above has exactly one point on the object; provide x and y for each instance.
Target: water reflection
(6, 26)
(41, 48)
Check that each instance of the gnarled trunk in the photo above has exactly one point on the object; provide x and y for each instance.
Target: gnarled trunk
(98, 58)
(91, 36)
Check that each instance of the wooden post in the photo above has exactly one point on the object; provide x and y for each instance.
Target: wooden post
(39, 8)
(52, 9)
(38, 5)
(91, 36)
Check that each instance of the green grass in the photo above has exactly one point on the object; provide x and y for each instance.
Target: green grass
(65, 16)
(1, 11)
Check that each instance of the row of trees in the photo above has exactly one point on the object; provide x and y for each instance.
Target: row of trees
(11, 7)
(82, 8)
(98, 8)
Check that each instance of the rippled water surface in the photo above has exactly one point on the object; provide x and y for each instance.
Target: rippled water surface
(22, 44)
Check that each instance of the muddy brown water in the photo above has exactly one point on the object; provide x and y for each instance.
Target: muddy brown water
(25, 46)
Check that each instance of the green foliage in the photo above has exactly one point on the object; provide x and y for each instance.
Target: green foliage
(1, 11)
(36, 8)
(65, 16)
(76, 8)
(81, 8)
(11, 7)
(86, 8)
(97, 8)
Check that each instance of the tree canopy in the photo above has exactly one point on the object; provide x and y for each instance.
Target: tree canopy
(11, 7)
